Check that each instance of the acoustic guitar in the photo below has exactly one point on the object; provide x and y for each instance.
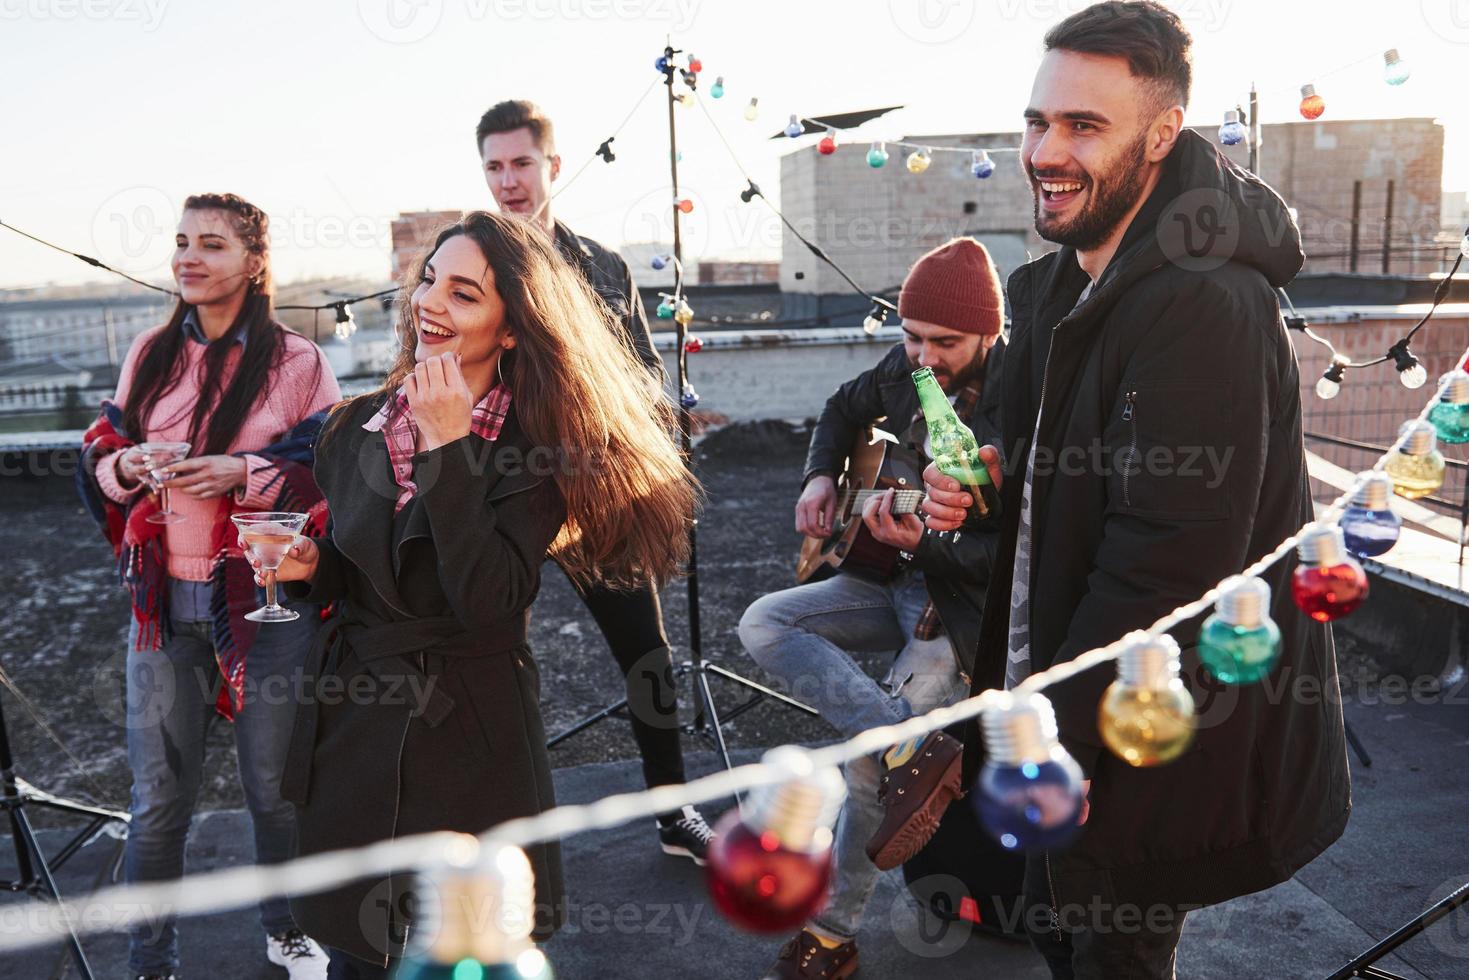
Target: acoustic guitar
(877, 462)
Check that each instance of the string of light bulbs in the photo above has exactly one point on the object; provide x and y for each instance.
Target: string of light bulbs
(1411, 371)
(799, 791)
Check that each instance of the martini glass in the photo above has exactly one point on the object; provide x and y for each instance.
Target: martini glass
(268, 536)
(158, 456)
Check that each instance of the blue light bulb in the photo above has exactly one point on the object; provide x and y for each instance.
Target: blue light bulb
(982, 166)
(660, 262)
(661, 64)
(1029, 793)
(1368, 525)
(689, 398)
(794, 127)
(1232, 131)
(716, 91)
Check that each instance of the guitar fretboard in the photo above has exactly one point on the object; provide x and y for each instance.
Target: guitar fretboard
(904, 501)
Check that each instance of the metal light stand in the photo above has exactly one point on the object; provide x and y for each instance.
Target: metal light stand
(1362, 965)
(34, 871)
(707, 722)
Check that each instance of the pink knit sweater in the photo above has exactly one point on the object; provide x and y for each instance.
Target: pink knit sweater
(295, 392)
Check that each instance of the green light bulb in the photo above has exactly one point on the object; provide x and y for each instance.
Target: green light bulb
(1450, 416)
(1239, 643)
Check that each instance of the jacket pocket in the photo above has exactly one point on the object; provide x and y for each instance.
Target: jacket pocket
(1173, 449)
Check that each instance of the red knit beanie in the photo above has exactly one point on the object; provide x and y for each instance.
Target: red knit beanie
(954, 286)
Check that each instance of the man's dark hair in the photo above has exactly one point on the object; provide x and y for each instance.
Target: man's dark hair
(1149, 35)
(513, 114)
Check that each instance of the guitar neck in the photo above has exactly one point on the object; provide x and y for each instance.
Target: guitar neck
(904, 501)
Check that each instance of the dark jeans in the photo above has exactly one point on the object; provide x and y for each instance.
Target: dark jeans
(632, 623)
(1101, 942)
(170, 707)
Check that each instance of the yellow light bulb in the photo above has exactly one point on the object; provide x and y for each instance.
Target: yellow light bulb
(684, 313)
(1144, 726)
(1147, 716)
(918, 161)
(1416, 466)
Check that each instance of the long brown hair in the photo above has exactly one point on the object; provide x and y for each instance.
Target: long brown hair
(576, 388)
(220, 411)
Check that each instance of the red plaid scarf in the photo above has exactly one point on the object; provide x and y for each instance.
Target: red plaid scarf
(139, 545)
(929, 626)
(395, 421)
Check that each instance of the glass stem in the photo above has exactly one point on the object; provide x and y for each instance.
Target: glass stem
(163, 496)
(270, 588)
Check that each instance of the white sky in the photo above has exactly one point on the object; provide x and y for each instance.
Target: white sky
(334, 115)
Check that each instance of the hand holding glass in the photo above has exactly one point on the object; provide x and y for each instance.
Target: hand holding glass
(267, 536)
(158, 456)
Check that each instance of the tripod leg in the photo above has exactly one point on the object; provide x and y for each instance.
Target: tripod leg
(1357, 746)
(1361, 966)
(27, 844)
(706, 700)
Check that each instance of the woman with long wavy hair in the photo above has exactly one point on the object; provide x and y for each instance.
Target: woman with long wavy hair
(246, 394)
(513, 425)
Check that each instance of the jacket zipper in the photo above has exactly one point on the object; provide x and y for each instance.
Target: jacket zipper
(1129, 414)
(1055, 912)
(397, 804)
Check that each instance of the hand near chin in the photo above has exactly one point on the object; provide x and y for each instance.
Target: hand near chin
(440, 399)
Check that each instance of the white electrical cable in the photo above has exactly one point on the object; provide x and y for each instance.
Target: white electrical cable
(214, 891)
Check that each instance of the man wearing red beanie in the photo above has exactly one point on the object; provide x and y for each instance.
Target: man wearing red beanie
(926, 609)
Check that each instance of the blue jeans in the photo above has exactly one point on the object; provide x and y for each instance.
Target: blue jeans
(804, 637)
(170, 706)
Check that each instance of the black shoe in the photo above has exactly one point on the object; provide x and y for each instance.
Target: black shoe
(686, 836)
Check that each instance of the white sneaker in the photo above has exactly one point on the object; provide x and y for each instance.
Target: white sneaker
(301, 955)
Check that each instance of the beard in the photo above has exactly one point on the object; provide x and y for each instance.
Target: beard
(952, 383)
(1111, 193)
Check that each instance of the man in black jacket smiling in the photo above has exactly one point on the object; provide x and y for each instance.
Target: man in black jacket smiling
(1151, 338)
(926, 612)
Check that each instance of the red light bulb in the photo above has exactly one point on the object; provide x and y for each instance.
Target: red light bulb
(693, 345)
(828, 144)
(695, 65)
(1328, 583)
(1312, 105)
(769, 869)
(686, 206)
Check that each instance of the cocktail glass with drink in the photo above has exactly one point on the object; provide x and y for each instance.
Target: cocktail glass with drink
(268, 535)
(157, 457)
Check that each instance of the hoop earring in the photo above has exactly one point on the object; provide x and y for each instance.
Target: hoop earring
(500, 365)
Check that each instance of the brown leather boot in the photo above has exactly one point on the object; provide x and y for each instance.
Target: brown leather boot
(804, 958)
(916, 794)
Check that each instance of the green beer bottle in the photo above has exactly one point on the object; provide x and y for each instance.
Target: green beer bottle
(955, 450)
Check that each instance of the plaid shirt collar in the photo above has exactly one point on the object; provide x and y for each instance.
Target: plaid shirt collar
(400, 432)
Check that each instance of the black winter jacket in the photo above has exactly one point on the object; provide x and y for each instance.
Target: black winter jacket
(1170, 456)
(955, 566)
(425, 712)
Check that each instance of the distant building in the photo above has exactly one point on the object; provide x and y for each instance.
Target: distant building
(875, 222)
(729, 272)
(1455, 214)
(412, 230)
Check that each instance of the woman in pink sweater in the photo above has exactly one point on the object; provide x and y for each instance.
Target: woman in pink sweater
(223, 376)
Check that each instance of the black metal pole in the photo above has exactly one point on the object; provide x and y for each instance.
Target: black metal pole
(685, 420)
(1254, 131)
